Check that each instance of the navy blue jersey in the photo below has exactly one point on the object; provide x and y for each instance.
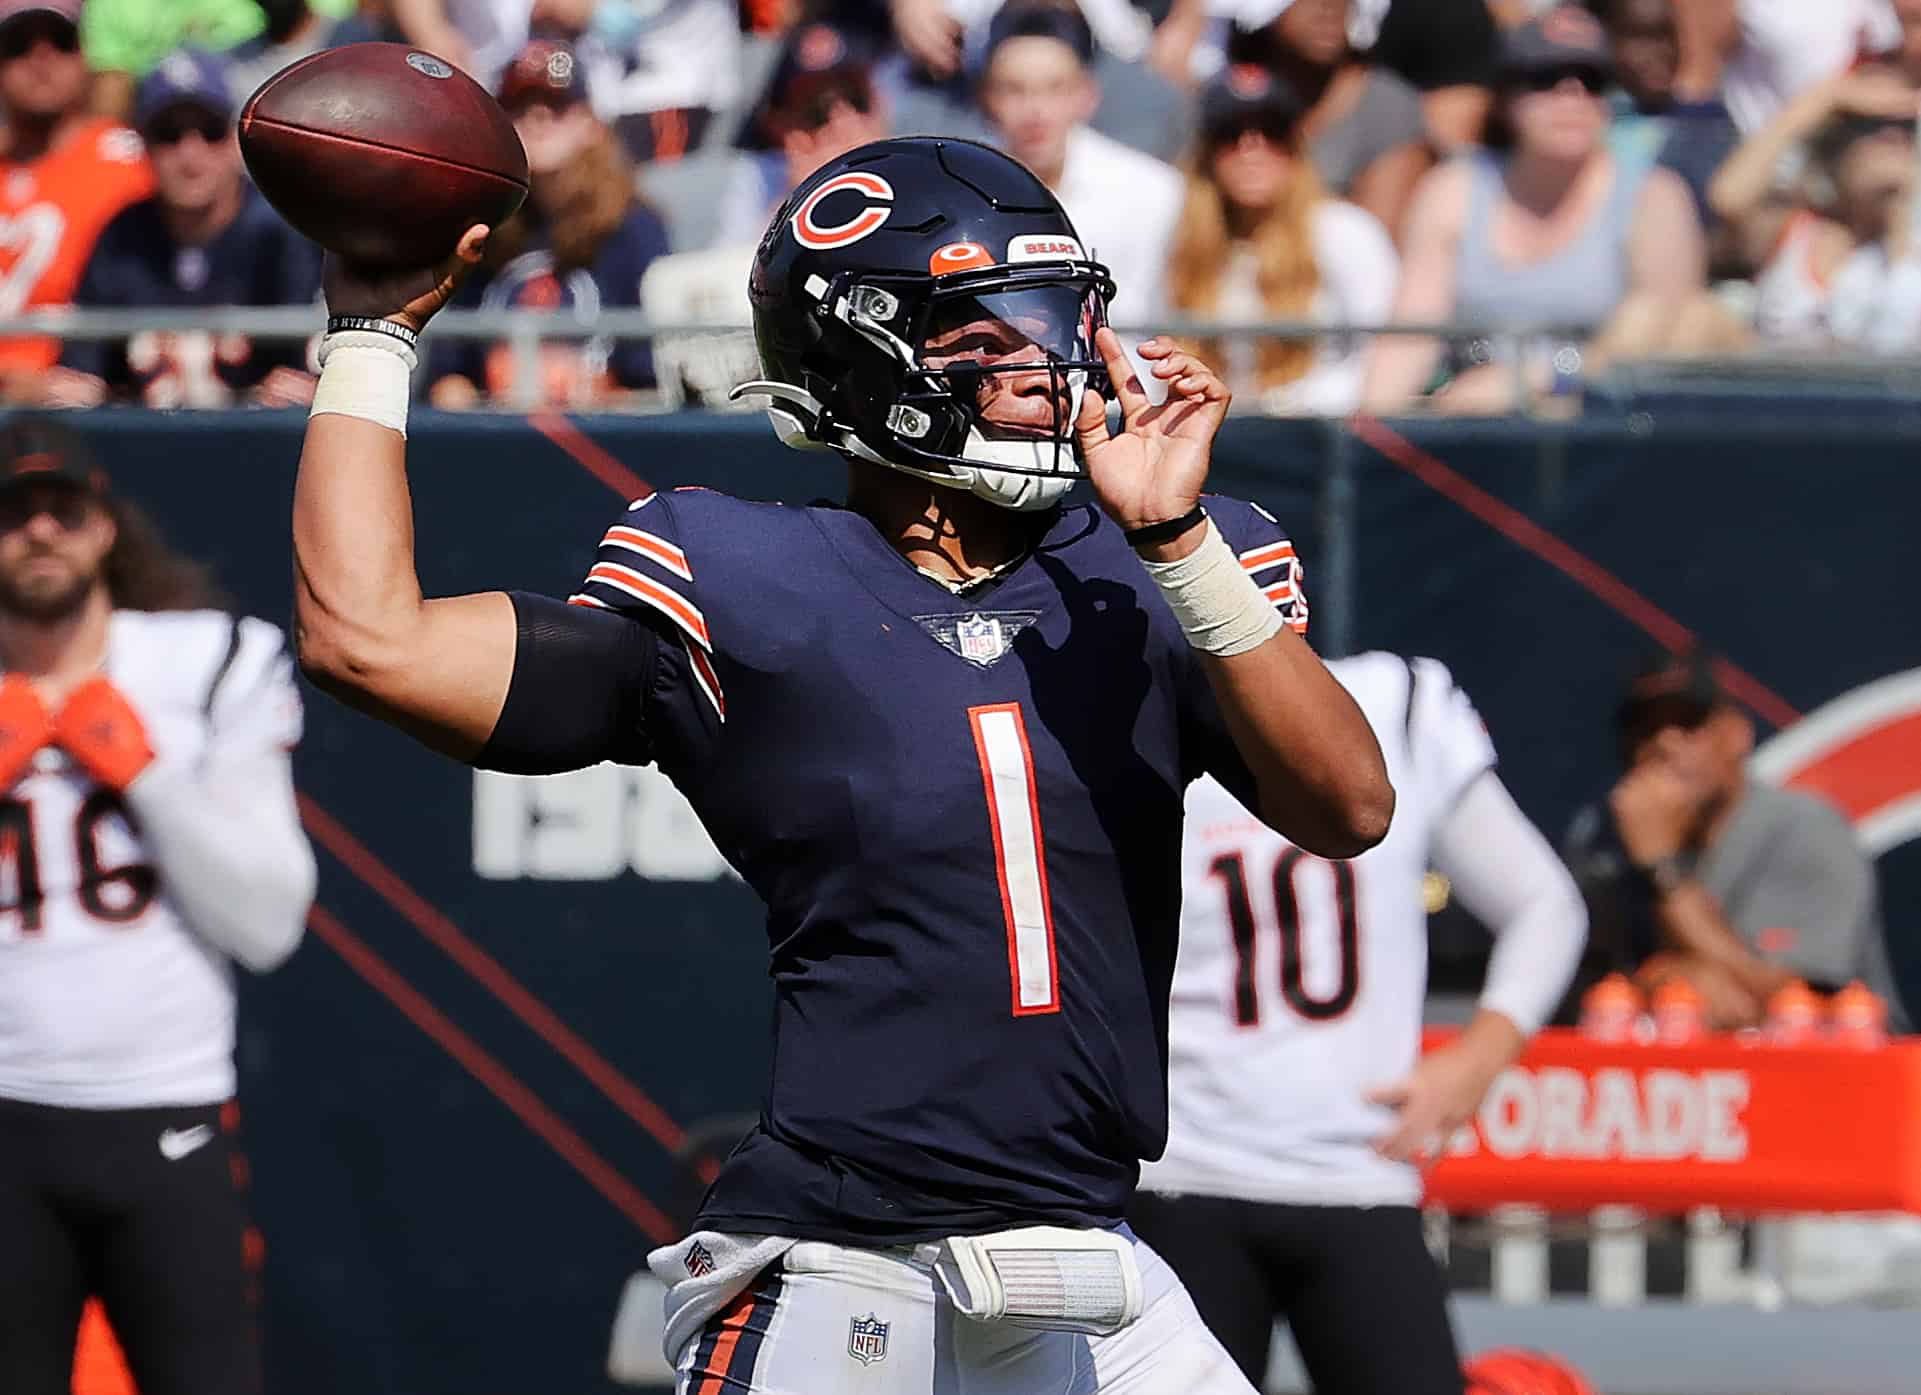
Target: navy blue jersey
(256, 260)
(964, 814)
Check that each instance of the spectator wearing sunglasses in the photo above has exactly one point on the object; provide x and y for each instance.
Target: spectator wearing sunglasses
(64, 174)
(1260, 238)
(1364, 125)
(1546, 229)
(204, 238)
(1692, 869)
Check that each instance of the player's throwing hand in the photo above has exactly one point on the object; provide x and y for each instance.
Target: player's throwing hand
(409, 297)
(1154, 469)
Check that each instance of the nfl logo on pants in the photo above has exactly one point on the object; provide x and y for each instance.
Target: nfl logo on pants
(866, 1339)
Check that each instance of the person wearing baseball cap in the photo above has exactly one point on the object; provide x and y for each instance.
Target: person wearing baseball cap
(1545, 228)
(1694, 869)
(64, 173)
(204, 238)
(1260, 238)
(153, 844)
(44, 83)
(1369, 138)
(1566, 40)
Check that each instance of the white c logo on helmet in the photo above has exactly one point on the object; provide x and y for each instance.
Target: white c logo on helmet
(874, 212)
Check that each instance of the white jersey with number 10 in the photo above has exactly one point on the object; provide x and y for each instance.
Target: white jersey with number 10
(1300, 981)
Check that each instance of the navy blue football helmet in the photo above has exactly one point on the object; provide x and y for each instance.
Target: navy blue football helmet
(906, 294)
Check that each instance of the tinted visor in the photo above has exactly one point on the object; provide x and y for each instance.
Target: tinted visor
(1020, 357)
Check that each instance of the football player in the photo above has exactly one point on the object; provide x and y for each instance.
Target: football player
(148, 842)
(943, 730)
(1301, 1106)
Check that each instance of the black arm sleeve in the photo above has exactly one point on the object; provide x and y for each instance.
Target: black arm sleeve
(579, 690)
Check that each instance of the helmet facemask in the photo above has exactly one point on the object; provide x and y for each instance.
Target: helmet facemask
(984, 374)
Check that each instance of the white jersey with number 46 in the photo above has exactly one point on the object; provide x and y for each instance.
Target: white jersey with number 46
(1300, 981)
(108, 998)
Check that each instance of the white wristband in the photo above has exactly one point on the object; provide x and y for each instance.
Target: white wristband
(367, 375)
(1220, 608)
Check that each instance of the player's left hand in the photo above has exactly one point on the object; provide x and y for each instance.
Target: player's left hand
(1154, 470)
(98, 728)
(1434, 1099)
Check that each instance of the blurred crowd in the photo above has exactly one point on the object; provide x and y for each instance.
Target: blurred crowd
(1627, 179)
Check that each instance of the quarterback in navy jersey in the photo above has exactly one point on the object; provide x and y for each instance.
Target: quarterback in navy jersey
(943, 730)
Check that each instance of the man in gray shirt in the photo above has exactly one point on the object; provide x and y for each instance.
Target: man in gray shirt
(1691, 869)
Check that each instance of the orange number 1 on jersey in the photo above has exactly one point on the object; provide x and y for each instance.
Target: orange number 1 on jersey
(1013, 811)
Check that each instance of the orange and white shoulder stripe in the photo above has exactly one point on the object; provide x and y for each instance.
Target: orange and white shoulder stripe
(1267, 557)
(649, 592)
(652, 546)
(1284, 592)
(706, 679)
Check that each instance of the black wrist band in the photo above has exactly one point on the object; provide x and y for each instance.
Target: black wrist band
(337, 323)
(1165, 531)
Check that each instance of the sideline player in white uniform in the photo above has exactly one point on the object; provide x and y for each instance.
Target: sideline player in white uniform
(148, 838)
(1299, 1104)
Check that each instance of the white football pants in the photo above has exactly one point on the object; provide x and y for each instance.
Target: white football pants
(830, 1320)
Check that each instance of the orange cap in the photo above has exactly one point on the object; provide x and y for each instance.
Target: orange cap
(1677, 992)
(1794, 1014)
(1616, 990)
(1680, 1012)
(1793, 997)
(1859, 1016)
(1609, 1009)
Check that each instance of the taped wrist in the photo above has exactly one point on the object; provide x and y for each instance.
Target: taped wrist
(1220, 608)
(365, 373)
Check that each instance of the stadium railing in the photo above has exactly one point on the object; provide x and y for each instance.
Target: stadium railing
(524, 333)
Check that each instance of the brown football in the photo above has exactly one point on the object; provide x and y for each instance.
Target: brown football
(382, 153)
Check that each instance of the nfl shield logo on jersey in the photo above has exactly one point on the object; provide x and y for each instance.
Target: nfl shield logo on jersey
(867, 1339)
(982, 640)
(978, 639)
